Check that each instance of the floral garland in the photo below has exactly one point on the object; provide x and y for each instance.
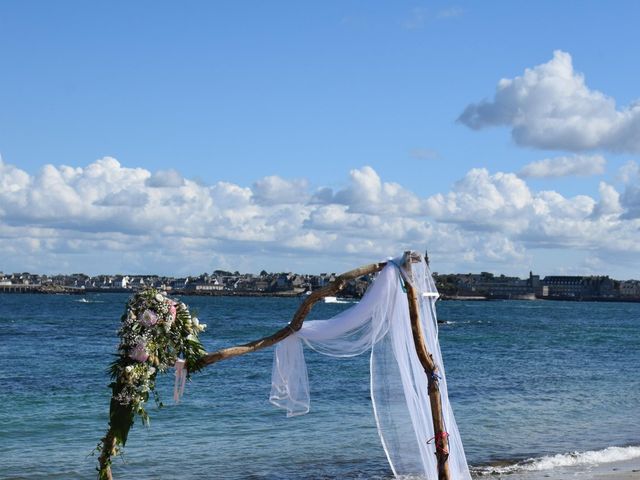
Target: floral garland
(156, 331)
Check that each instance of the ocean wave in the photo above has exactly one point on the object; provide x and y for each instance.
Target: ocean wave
(573, 459)
(84, 300)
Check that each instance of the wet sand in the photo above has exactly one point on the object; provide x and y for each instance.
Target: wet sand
(627, 470)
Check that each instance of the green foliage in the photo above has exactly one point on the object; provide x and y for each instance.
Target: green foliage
(155, 332)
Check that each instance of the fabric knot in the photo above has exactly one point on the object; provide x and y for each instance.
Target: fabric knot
(180, 381)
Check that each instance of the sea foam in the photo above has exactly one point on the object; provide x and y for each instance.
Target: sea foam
(573, 459)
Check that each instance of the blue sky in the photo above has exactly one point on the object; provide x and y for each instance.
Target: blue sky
(312, 137)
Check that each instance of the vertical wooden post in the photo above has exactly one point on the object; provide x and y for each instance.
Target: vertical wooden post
(431, 369)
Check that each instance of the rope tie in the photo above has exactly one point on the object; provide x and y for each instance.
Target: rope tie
(440, 440)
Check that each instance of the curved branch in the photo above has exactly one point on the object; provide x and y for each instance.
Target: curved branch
(430, 369)
(109, 441)
(298, 318)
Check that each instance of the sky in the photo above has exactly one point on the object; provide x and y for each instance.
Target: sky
(179, 138)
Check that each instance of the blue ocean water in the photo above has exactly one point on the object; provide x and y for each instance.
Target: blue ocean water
(526, 380)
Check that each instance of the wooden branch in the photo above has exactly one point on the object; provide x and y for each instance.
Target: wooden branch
(108, 450)
(109, 441)
(431, 369)
(426, 359)
(298, 318)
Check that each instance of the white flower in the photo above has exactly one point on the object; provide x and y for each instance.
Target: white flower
(152, 370)
(159, 297)
(196, 322)
(202, 326)
(129, 368)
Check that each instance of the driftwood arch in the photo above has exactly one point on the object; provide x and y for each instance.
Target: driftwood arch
(425, 357)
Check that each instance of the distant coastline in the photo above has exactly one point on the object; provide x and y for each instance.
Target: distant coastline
(60, 290)
(469, 286)
(46, 290)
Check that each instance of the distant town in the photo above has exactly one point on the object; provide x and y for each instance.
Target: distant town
(470, 286)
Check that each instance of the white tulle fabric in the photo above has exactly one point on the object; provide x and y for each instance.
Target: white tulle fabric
(380, 322)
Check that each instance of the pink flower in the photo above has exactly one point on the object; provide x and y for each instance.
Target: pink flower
(172, 310)
(148, 318)
(139, 353)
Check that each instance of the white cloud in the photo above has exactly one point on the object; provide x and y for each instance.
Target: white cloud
(107, 217)
(502, 206)
(581, 165)
(609, 203)
(484, 201)
(124, 198)
(551, 107)
(274, 190)
(629, 175)
(12, 179)
(367, 193)
(629, 172)
(165, 179)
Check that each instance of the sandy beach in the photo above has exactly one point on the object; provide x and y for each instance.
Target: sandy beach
(626, 470)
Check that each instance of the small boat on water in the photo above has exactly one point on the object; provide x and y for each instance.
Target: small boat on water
(339, 300)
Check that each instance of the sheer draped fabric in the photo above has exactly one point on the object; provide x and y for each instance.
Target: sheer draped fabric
(380, 323)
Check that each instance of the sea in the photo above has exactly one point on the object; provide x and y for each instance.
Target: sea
(540, 389)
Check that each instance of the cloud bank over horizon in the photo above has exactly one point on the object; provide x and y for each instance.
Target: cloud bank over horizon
(109, 218)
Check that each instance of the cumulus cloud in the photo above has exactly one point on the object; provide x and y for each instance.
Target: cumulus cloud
(502, 206)
(12, 179)
(629, 172)
(630, 199)
(165, 179)
(367, 193)
(579, 165)
(107, 216)
(551, 107)
(609, 203)
(124, 198)
(275, 190)
(484, 201)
